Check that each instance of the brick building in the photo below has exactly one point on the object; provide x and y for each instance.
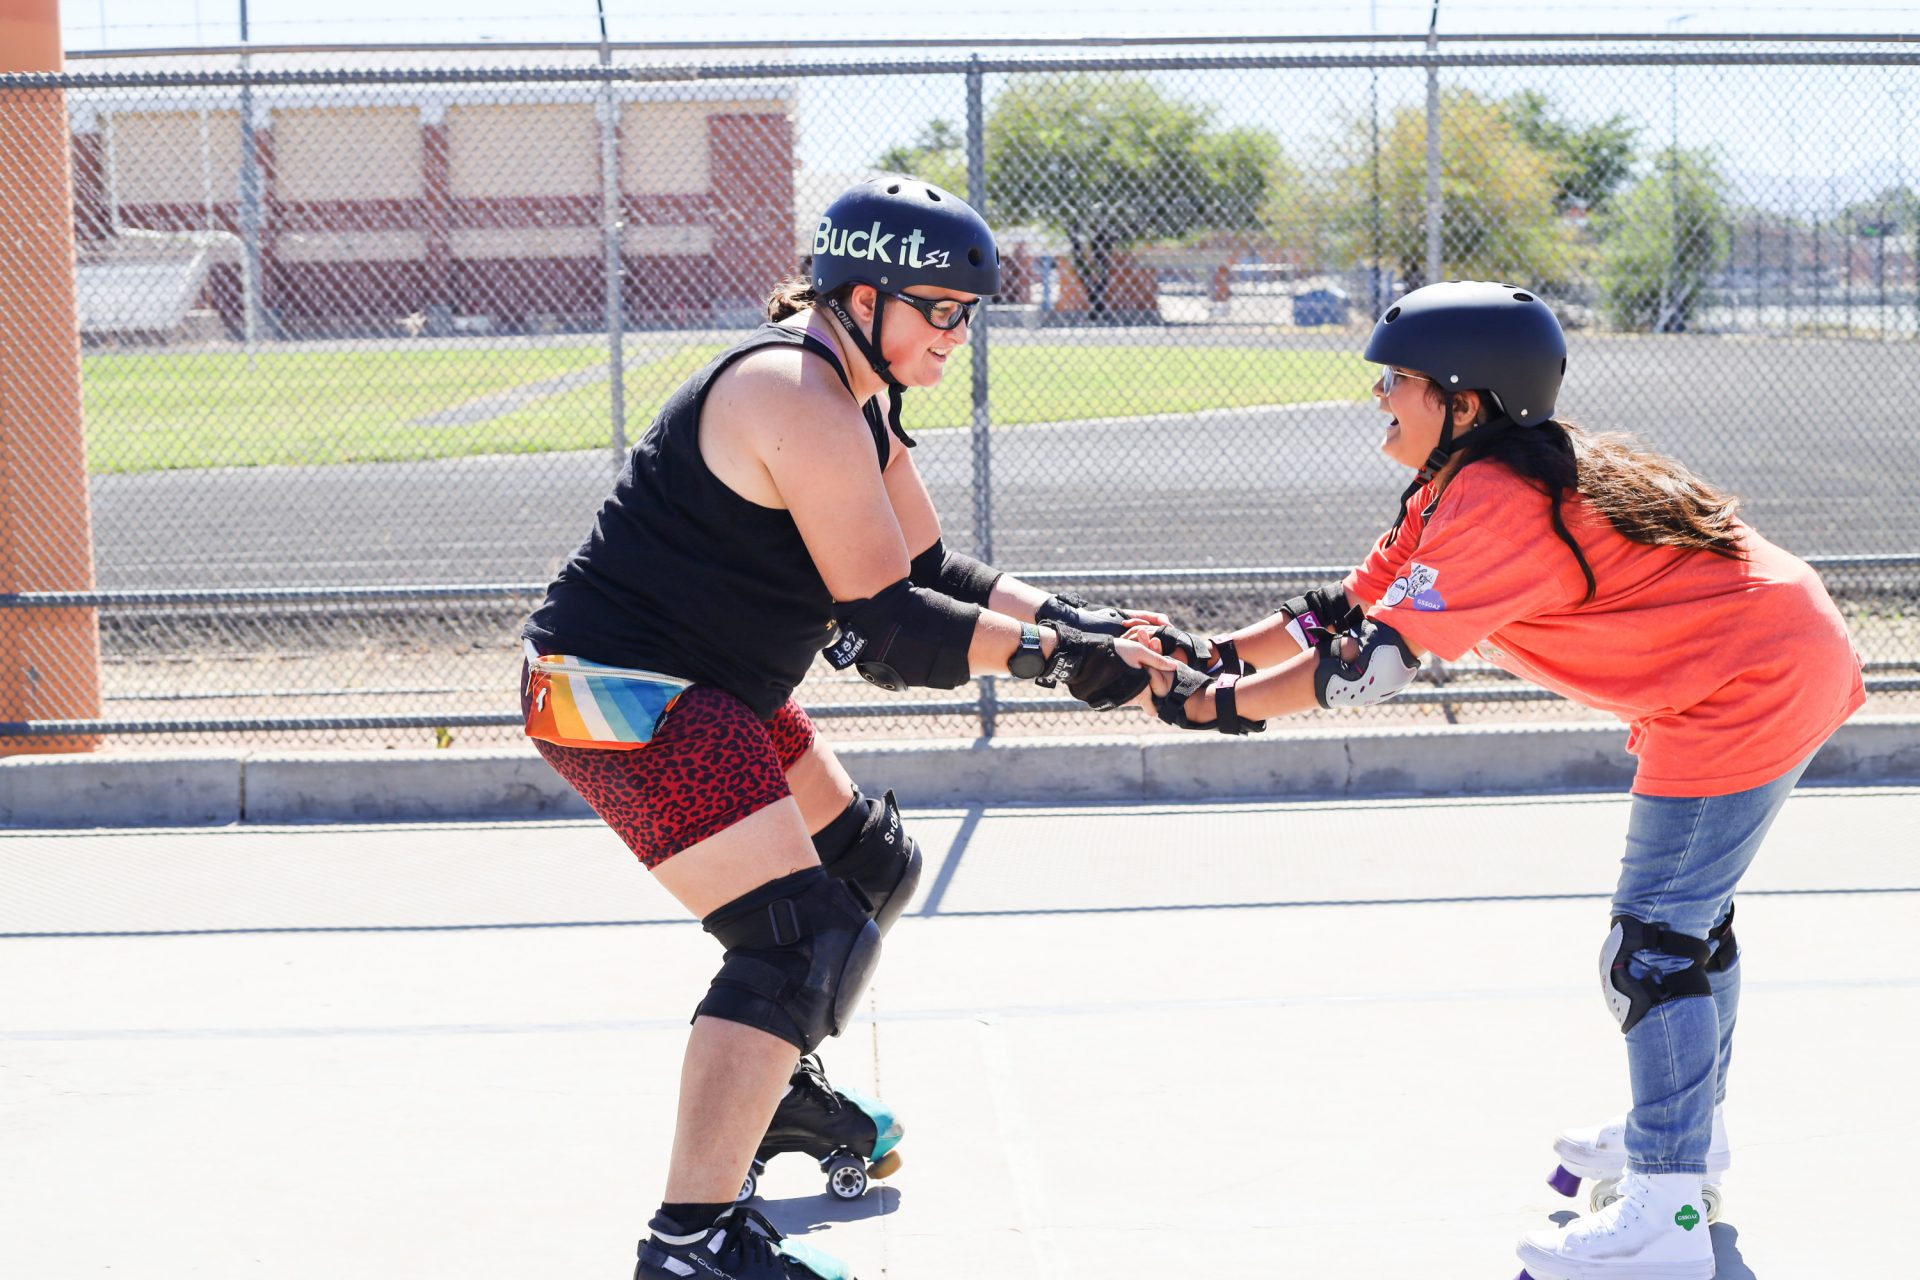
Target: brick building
(451, 204)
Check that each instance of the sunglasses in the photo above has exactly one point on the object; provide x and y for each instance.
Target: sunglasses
(942, 313)
(1390, 378)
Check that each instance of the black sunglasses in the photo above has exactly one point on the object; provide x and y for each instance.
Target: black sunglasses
(941, 313)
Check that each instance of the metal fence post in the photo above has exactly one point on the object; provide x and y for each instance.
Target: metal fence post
(251, 282)
(1433, 148)
(611, 218)
(982, 418)
(50, 663)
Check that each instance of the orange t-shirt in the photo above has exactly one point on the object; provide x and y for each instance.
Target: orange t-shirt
(1730, 672)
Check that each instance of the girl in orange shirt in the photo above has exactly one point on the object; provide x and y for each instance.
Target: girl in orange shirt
(1613, 576)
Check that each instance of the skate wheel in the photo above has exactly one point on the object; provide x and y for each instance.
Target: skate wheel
(1711, 1194)
(752, 1183)
(1604, 1193)
(1565, 1181)
(886, 1166)
(847, 1177)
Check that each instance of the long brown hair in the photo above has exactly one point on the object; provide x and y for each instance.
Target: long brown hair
(1650, 498)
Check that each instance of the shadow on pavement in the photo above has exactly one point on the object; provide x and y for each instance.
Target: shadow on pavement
(800, 1215)
(1727, 1262)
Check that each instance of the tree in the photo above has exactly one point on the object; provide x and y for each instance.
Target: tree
(1662, 241)
(1110, 161)
(1497, 191)
(1895, 211)
(938, 156)
(1590, 162)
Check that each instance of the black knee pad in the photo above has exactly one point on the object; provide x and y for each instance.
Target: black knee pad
(1631, 997)
(800, 951)
(867, 846)
(1725, 950)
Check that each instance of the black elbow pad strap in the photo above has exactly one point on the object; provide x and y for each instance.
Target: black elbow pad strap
(1322, 612)
(953, 574)
(905, 637)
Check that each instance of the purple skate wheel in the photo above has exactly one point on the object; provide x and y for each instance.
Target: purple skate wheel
(1564, 1181)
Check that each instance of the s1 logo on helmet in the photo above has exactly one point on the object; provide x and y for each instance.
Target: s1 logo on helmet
(871, 245)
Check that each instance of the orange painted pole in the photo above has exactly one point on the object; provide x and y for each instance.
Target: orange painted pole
(49, 658)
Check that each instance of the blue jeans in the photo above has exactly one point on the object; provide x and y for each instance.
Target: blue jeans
(1685, 855)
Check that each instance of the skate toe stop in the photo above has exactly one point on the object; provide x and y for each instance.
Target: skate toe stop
(886, 1166)
(1565, 1181)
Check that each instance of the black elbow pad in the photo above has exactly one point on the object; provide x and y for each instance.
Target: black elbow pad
(904, 637)
(952, 574)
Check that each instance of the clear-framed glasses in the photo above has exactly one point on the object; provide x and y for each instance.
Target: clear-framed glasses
(1390, 378)
(941, 313)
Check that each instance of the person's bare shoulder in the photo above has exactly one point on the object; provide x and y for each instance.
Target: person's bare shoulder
(790, 384)
(785, 406)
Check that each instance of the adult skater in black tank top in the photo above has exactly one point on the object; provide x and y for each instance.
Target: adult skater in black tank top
(771, 511)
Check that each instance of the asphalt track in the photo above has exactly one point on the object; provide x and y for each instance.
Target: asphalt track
(1817, 435)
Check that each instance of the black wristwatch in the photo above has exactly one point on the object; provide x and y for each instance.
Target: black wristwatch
(1027, 661)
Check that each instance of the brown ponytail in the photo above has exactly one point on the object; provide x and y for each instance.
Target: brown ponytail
(791, 296)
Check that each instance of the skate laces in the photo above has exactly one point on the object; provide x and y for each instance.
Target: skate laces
(1624, 1211)
(812, 1076)
(750, 1238)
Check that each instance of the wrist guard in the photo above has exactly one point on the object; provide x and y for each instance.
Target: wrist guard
(1189, 648)
(1092, 669)
(1212, 656)
(1072, 611)
(1171, 706)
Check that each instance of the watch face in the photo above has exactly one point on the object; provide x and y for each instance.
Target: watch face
(1026, 662)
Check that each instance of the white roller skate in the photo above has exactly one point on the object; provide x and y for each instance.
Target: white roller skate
(1599, 1154)
(1654, 1231)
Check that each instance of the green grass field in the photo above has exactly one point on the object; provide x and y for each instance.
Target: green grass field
(152, 412)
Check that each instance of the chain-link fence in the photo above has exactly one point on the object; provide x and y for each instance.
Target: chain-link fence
(349, 332)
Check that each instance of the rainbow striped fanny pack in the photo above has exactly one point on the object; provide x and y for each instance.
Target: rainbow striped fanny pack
(575, 703)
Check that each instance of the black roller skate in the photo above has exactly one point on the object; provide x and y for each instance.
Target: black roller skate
(742, 1245)
(851, 1135)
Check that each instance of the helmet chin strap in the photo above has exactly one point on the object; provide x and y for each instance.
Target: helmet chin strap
(870, 351)
(1435, 461)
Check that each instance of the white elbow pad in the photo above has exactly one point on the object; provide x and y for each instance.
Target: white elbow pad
(1384, 666)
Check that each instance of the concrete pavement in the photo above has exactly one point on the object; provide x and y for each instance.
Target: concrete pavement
(218, 786)
(1237, 1039)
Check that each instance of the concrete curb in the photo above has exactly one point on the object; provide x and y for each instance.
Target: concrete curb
(216, 788)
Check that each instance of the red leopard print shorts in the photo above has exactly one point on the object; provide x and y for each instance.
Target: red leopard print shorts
(710, 764)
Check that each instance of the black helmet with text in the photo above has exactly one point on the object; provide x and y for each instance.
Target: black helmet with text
(893, 233)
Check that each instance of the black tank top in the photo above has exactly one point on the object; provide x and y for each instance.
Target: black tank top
(684, 576)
